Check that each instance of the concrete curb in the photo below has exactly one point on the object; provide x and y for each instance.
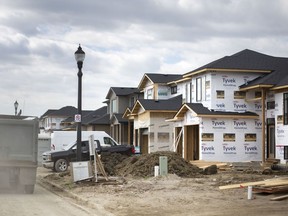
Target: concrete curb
(60, 191)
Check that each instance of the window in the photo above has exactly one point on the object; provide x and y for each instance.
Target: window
(270, 105)
(207, 89)
(114, 106)
(258, 94)
(108, 142)
(187, 93)
(173, 89)
(220, 94)
(149, 93)
(239, 95)
(199, 89)
(285, 108)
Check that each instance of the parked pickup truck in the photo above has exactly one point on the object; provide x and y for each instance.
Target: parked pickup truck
(59, 160)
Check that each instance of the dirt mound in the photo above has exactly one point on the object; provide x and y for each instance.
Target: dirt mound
(110, 160)
(143, 165)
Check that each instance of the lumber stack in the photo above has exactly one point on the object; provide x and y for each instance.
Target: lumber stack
(274, 185)
(204, 164)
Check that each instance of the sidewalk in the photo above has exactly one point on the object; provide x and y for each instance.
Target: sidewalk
(62, 192)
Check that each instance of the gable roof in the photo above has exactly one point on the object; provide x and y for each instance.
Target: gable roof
(119, 118)
(202, 111)
(157, 78)
(274, 70)
(64, 111)
(127, 112)
(92, 115)
(96, 117)
(48, 112)
(168, 105)
(122, 91)
(276, 80)
(244, 60)
(103, 120)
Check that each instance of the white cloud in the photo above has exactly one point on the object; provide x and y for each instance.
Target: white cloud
(122, 40)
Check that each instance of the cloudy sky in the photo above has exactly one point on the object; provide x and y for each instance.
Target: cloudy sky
(123, 39)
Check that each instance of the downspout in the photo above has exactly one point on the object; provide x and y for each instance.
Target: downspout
(263, 94)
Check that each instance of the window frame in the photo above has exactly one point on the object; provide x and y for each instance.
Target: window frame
(114, 106)
(199, 89)
(174, 89)
(270, 105)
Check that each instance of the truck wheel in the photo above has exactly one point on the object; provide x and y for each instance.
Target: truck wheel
(61, 165)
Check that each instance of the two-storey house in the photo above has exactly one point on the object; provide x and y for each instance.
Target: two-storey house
(232, 109)
(224, 117)
(55, 119)
(63, 119)
(118, 99)
(147, 117)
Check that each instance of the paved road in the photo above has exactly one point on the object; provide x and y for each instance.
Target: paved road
(42, 202)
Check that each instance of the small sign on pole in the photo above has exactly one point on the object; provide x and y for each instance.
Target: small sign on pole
(77, 118)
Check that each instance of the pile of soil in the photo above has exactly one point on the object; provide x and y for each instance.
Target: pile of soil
(143, 165)
(110, 160)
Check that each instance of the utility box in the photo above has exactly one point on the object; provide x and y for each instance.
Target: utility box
(81, 170)
(163, 165)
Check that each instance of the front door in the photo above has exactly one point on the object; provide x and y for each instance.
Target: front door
(191, 143)
(271, 142)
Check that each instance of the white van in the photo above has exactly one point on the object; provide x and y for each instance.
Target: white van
(61, 139)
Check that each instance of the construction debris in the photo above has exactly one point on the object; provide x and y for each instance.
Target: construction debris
(266, 183)
(204, 164)
(278, 198)
(275, 185)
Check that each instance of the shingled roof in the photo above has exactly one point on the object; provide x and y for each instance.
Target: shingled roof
(244, 60)
(274, 69)
(122, 91)
(119, 118)
(92, 115)
(64, 111)
(158, 78)
(103, 120)
(202, 111)
(172, 104)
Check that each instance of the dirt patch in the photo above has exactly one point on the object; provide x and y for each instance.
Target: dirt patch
(143, 165)
(133, 190)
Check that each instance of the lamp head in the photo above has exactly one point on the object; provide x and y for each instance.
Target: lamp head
(16, 105)
(79, 55)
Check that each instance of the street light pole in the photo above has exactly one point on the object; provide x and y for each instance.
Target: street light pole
(16, 107)
(79, 56)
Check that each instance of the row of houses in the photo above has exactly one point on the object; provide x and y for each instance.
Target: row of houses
(232, 109)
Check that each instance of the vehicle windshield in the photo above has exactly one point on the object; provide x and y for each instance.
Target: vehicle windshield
(108, 142)
(70, 145)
